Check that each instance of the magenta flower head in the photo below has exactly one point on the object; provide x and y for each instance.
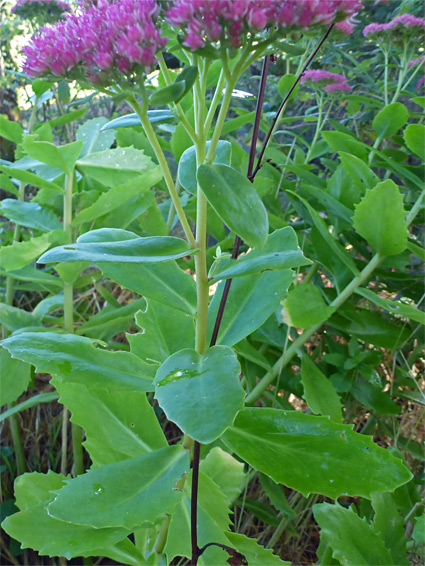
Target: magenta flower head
(40, 11)
(406, 26)
(231, 22)
(330, 82)
(102, 42)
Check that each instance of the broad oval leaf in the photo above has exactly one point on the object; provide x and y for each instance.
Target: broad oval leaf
(380, 219)
(130, 120)
(319, 392)
(30, 214)
(122, 247)
(93, 137)
(312, 454)
(187, 165)
(188, 76)
(414, 136)
(127, 494)
(171, 93)
(190, 386)
(305, 306)
(236, 202)
(76, 359)
(390, 119)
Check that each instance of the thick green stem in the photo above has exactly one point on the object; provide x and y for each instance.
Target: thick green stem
(150, 134)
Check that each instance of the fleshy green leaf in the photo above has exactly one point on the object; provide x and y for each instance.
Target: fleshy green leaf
(76, 359)
(326, 457)
(388, 525)
(253, 298)
(285, 84)
(63, 157)
(10, 130)
(130, 120)
(30, 178)
(414, 136)
(235, 201)
(93, 136)
(319, 392)
(129, 426)
(255, 554)
(125, 494)
(360, 173)
(14, 377)
(305, 306)
(30, 214)
(14, 318)
(352, 539)
(227, 472)
(393, 307)
(20, 254)
(202, 382)
(36, 529)
(164, 332)
(113, 245)
(115, 167)
(187, 164)
(171, 93)
(390, 119)
(380, 219)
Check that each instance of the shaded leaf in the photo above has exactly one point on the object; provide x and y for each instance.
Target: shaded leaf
(30, 214)
(319, 392)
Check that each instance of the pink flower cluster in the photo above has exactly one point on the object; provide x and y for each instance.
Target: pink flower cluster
(40, 12)
(416, 61)
(331, 82)
(229, 21)
(405, 22)
(103, 37)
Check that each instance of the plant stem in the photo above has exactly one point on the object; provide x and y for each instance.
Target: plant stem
(319, 125)
(385, 76)
(150, 134)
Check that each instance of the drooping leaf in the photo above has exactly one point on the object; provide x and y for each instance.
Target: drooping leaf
(14, 377)
(168, 94)
(119, 246)
(328, 458)
(76, 359)
(115, 167)
(380, 219)
(340, 141)
(10, 130)
(62, 157)
(133, 120)
(227, 472)
(319, 392)
(255, 554)
(187, 164)
(414, 137)
(352, 539)
(388, 525)
(360, 173)
(390, 119)
(20, 254)
(14, 318)
(36, 529)
(118, 195)
(94, 137)
(253, 298)
(164, 331)
(393, 307)
(304, 306)
(126, 494)
(45, 280)
(235, 201)
(117, 425)
(30, 178)
(30, 214)
(165, 283)
(202, 382)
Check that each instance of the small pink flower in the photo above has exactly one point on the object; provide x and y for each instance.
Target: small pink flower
(330, 82)
(416, 61)
(404, 23)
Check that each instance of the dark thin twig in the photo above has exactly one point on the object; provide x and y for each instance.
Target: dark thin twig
(194, 503)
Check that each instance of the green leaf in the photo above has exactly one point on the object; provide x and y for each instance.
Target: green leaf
(20, 254)
(360, 173)
(130, 120)
(118, 195)
(390, 119)
(36, 529)
(113, 245)
(14, 377)
(276, 494)
(339, 141)
(164, 332)
(285, 84)
(328, 458)
(419, 530)
(304, 306)
(188, 76)
(45, 280)
(94, 136)
(393, 307)
(168, 94)
(14, 318)
(255, 554)
(30, 214)
(187, 164)
(380, 219)
(235, 201)
(115, 167)
(352, 539)
(62, 157)
(253, 298)
(76, 359)
(129, 426)
(319, 392)
(202, 382)
(165, 283)
(248, 265)
(227, 472)
(414, 136)
(30, 178)
(125, 494)
(390, 531)
(28, 403)
(372, 397)
(12, 131)
(7, 184)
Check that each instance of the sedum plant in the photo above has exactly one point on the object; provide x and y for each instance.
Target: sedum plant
(145, 500)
